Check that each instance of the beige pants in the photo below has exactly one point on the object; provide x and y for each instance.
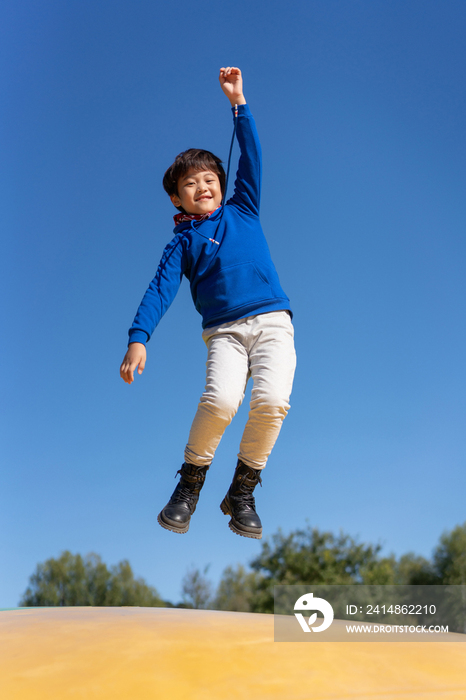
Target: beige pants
(260, 347)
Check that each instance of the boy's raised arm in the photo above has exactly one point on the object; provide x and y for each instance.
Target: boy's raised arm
(232, 85)
(248, 177)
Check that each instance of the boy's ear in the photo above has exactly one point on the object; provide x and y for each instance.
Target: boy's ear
(175, 200)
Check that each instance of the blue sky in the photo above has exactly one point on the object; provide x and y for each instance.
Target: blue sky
(360, 106)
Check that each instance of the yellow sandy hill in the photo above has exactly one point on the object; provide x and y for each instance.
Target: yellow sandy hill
(151, 653)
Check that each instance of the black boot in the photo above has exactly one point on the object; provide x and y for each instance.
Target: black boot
(240, 504)
(177, 513)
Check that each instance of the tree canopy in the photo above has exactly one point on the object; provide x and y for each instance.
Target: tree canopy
(75, 580)
(309, 556)
(450, 556)
(305, 556)
(196, 589)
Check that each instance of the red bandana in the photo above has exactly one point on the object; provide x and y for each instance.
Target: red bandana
(181, 218)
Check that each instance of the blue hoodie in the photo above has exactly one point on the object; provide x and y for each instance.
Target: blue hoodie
(225, 257)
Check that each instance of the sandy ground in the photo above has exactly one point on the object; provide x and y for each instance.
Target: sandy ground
(149, 653)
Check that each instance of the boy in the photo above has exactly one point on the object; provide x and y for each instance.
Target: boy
(246, 316)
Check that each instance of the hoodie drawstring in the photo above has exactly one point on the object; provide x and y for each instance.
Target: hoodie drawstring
(212, 240)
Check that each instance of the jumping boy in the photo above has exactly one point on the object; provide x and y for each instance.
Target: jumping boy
(221, 249)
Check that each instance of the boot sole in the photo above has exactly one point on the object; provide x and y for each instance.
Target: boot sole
(236, 527)
(179, 530)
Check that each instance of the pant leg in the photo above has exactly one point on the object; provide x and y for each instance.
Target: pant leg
(272, 362)
(226, 378)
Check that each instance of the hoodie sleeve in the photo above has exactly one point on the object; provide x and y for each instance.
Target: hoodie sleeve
(160, 293)
(248, 177)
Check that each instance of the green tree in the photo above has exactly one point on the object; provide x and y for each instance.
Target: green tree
(236, 590)
(310, 556)
(450, 556)
(196, 589)
(75, 580)
(414, 570)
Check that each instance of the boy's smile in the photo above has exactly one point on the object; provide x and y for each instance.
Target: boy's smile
(199, 192)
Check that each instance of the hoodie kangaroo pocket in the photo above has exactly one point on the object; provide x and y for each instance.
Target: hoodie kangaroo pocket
(232, 287)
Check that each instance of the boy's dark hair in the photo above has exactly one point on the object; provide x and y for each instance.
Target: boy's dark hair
(192, 158)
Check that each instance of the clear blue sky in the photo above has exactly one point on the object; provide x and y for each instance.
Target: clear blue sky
(361, 109)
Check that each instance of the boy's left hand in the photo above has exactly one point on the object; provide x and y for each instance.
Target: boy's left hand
(232, 85)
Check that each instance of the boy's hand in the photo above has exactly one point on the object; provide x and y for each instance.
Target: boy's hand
(232, 85)
(135, 357)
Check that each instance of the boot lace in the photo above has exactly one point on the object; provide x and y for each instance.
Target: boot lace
(186, 491)
(245, 496)
(183, 493)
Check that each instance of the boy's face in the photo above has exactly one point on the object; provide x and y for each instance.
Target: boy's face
(199, 192)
